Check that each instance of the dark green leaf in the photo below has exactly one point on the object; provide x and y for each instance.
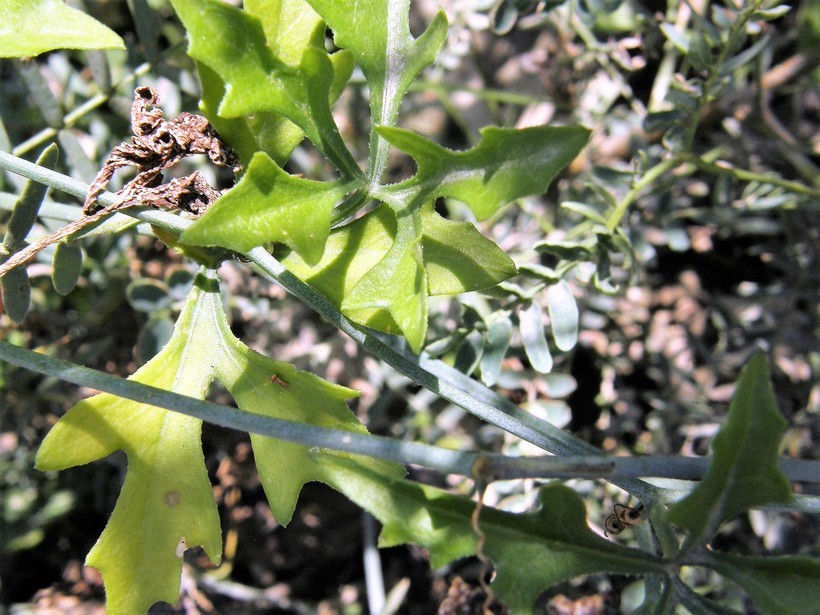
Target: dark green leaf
(147, 295)
(775, 584)
(16, 293)
(28, 204)
(744, 470)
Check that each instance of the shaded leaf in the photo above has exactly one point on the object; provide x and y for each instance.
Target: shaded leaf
(16, 293)
(458, 258)
(31, 27)
(498, 337)
(775, 584)
(744, 470)
(530, 551)
(28, 204)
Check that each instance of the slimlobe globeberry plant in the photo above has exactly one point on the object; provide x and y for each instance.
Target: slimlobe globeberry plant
(368, 253)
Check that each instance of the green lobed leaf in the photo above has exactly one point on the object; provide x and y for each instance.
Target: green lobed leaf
(530, 551)
(31, 27)
(775, 584)
(375, 267)
(233, 44)
(270, 205)
(507, 164)
(395, 289)
(167, 488)
(744, 470)
(377, 32)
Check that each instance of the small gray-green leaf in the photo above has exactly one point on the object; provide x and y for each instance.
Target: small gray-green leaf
(66, 266)
(563, 311)
(152, 337)
(469, 353)
(498, 340)
(147, 295)
(16, 293)
(533, 336)
(27, 206)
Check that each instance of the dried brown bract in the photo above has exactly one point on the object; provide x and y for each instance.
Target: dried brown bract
(158, 144)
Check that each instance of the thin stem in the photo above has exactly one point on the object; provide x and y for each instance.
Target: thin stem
(648, 179)
(750, 176)
(72, 117)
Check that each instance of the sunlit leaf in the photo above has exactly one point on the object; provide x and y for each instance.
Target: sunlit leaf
(269, 205)
(167, 489)
(563, 311)
(533, 336)
(31, 27)
(506, 165)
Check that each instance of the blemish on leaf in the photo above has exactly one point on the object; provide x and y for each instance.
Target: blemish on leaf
(276, 379)
(172, 498)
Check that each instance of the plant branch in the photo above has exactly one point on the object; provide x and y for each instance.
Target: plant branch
(492, 466)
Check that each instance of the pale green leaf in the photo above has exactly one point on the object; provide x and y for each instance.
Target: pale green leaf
(563, 311)
(744, 470)
(31, 27)
(167, 488)
(269, 205)
(531, 325)
(507, 164)
(498, 337)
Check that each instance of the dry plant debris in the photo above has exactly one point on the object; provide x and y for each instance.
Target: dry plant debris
(157, 144)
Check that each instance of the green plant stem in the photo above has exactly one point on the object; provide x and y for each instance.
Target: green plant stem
(750, 176)
(88, 106)
(736, 30)
(432, 374)
(494, 466)
(648, 179)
